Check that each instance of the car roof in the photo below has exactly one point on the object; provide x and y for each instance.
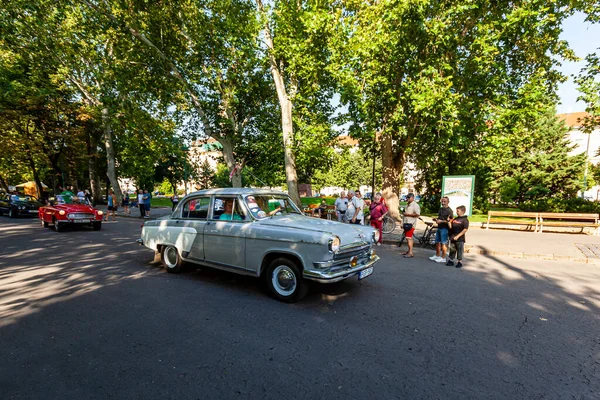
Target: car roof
(236, 191)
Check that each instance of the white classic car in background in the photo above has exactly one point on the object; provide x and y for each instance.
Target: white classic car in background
(261, 233)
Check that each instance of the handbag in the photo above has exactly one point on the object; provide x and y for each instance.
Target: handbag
(407, 226)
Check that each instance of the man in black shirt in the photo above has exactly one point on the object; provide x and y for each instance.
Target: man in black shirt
(458, 230)
(441, 236)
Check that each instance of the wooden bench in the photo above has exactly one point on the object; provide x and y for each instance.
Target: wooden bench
(513, 218)
(569, 220)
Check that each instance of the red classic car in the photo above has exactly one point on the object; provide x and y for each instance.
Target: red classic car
(67, 210)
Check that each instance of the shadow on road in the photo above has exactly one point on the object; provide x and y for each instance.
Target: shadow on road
(89, 314)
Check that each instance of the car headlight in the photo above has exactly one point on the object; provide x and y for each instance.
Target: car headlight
(62, 212)
(334, 244)
(100, 212)
(375, 236)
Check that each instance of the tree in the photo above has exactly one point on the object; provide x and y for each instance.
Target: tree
(424, 78)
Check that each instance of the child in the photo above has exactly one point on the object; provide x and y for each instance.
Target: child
(458, 228)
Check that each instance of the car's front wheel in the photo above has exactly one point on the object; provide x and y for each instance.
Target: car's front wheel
(285, 281)
(12, 213)
(97, 225)
(171, 259)
(57, 226)
(44, 223)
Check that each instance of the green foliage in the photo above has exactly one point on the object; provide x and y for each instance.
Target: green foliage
(509, 190)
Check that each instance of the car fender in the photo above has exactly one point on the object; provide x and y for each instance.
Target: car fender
(181, 237)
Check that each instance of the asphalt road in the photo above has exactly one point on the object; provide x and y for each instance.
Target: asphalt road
(90, 315)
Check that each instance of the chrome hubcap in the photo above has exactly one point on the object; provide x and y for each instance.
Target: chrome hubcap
(284, 280)
(171, 257)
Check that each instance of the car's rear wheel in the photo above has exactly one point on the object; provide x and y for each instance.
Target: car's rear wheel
(171, 259)
(285, 281)
(97, 225)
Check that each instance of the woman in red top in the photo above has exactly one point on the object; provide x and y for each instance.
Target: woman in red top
(377, 211)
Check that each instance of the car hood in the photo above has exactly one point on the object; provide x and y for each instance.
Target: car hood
(348, 233)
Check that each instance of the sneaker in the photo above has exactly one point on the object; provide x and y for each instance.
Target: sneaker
(440, 260)
(459, 265)
(434, 257)
(450, 263)
(378, 244)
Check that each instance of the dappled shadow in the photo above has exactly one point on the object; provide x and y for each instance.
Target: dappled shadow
(98, 311)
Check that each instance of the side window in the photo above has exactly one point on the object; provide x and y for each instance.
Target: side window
(228, 209)
(196, 208)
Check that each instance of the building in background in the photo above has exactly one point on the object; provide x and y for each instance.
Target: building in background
(588, 143)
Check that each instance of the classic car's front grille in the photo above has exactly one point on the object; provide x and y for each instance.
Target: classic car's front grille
(360, 249)
(80, 216)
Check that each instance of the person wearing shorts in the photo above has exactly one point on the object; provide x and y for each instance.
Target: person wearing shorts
(410, 216)
(458, 229)
(445, 214)
(112, 205)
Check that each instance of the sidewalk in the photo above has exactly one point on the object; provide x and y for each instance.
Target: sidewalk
(511, 243)
(155, 212)
(575, 247)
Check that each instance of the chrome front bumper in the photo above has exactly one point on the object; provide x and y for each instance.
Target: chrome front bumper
(339, 274)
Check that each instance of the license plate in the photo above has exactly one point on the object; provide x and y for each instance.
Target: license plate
(81, 221)
(32, 211)
(364, 273)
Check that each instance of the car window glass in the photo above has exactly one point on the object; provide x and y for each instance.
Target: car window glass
(196, 208)
(262, 206)
(228, 209)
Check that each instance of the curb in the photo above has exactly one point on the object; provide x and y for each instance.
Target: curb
(518, 255)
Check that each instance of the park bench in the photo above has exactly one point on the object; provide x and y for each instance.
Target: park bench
(569, 220)
(513, 218)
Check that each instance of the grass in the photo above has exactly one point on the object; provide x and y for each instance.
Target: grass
(161, 202)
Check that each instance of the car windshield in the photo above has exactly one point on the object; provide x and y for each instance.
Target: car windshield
(20, 197)
(66, 199)
(263, 206)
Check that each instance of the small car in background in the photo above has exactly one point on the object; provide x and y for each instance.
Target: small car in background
(16, 205)
(65, 210)
(261, 233)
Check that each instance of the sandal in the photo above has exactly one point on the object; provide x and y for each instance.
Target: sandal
(408, 256)
(403, 254)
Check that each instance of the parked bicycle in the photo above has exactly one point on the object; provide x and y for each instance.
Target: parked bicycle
(427, 239)
(389, 224)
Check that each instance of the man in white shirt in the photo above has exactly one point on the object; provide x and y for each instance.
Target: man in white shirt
(341, 206)
(410, 217)
(356, 208)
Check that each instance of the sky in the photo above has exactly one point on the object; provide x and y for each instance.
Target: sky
(583, 38)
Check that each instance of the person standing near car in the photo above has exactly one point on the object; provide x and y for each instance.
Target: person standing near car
(125, 202)
(147, 200)
(175, 201)
(445, 214)
(355, 208)
(341, 206)
(410, 216)
(378, 211)
(141, 204)
(112, 205)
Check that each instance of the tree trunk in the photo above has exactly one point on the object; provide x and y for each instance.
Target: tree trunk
(110, 155)
(236, 179)
(93, 169)
(287, 127)
(36, 176)
(3, 184)
(392, 166)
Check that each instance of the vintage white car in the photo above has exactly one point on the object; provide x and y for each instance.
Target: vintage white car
(261, 233)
